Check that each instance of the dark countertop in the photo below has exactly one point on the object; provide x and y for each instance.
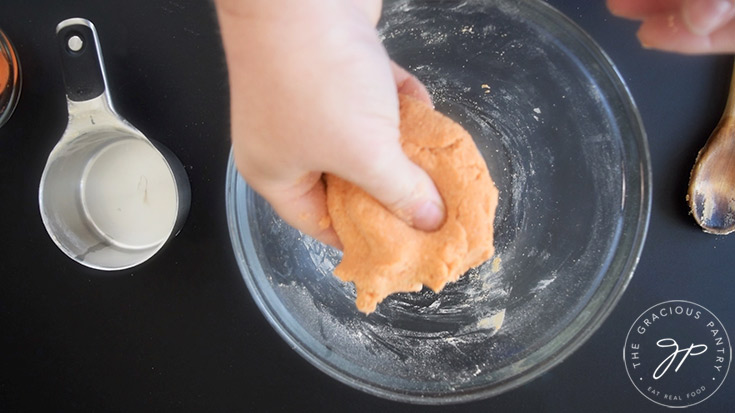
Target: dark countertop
(181, 332)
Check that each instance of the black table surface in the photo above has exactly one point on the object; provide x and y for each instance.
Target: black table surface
(181, 332)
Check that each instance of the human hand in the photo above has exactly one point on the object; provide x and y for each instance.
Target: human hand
(313, 91)
(686, 26)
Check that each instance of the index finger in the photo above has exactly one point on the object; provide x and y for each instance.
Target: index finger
(668, 33)
(640, 9)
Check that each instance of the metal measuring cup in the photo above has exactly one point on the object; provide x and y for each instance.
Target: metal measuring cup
(109, 197)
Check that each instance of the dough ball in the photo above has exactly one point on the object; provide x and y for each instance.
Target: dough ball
(384, 255)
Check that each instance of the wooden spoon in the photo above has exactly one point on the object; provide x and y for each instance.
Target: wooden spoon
(711, 194)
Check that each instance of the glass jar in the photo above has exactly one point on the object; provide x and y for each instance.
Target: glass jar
(9, 78)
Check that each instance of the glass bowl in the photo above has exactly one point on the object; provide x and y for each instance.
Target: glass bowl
(565, 145)
(9, 78)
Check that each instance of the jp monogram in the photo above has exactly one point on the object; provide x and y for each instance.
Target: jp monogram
(677, 353)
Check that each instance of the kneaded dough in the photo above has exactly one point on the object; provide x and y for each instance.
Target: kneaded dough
(4, 73)
(384, 255)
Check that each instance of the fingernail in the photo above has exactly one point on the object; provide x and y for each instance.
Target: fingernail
(702, 17)
(645, 44)
(428, 216)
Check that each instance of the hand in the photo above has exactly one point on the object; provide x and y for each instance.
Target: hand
(686, 26)
(313, 91)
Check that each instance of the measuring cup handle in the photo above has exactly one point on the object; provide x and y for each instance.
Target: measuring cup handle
(81, 59)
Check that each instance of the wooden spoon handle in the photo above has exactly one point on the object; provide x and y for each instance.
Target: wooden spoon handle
(730, 107)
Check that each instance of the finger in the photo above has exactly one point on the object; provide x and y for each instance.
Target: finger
(408, 84)
(640, 9)
(399, 184)
(703, 17)
(670, 33)
(303, 205)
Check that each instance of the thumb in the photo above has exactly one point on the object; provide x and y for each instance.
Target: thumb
(408, 84)
(703, 17)
(401, 186)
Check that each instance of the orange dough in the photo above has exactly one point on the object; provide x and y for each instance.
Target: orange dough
(4, 73)
(384, 255)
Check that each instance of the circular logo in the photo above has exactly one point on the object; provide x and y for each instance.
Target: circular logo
(677, 353)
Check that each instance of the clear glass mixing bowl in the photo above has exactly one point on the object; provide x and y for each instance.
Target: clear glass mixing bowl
(565, 145)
